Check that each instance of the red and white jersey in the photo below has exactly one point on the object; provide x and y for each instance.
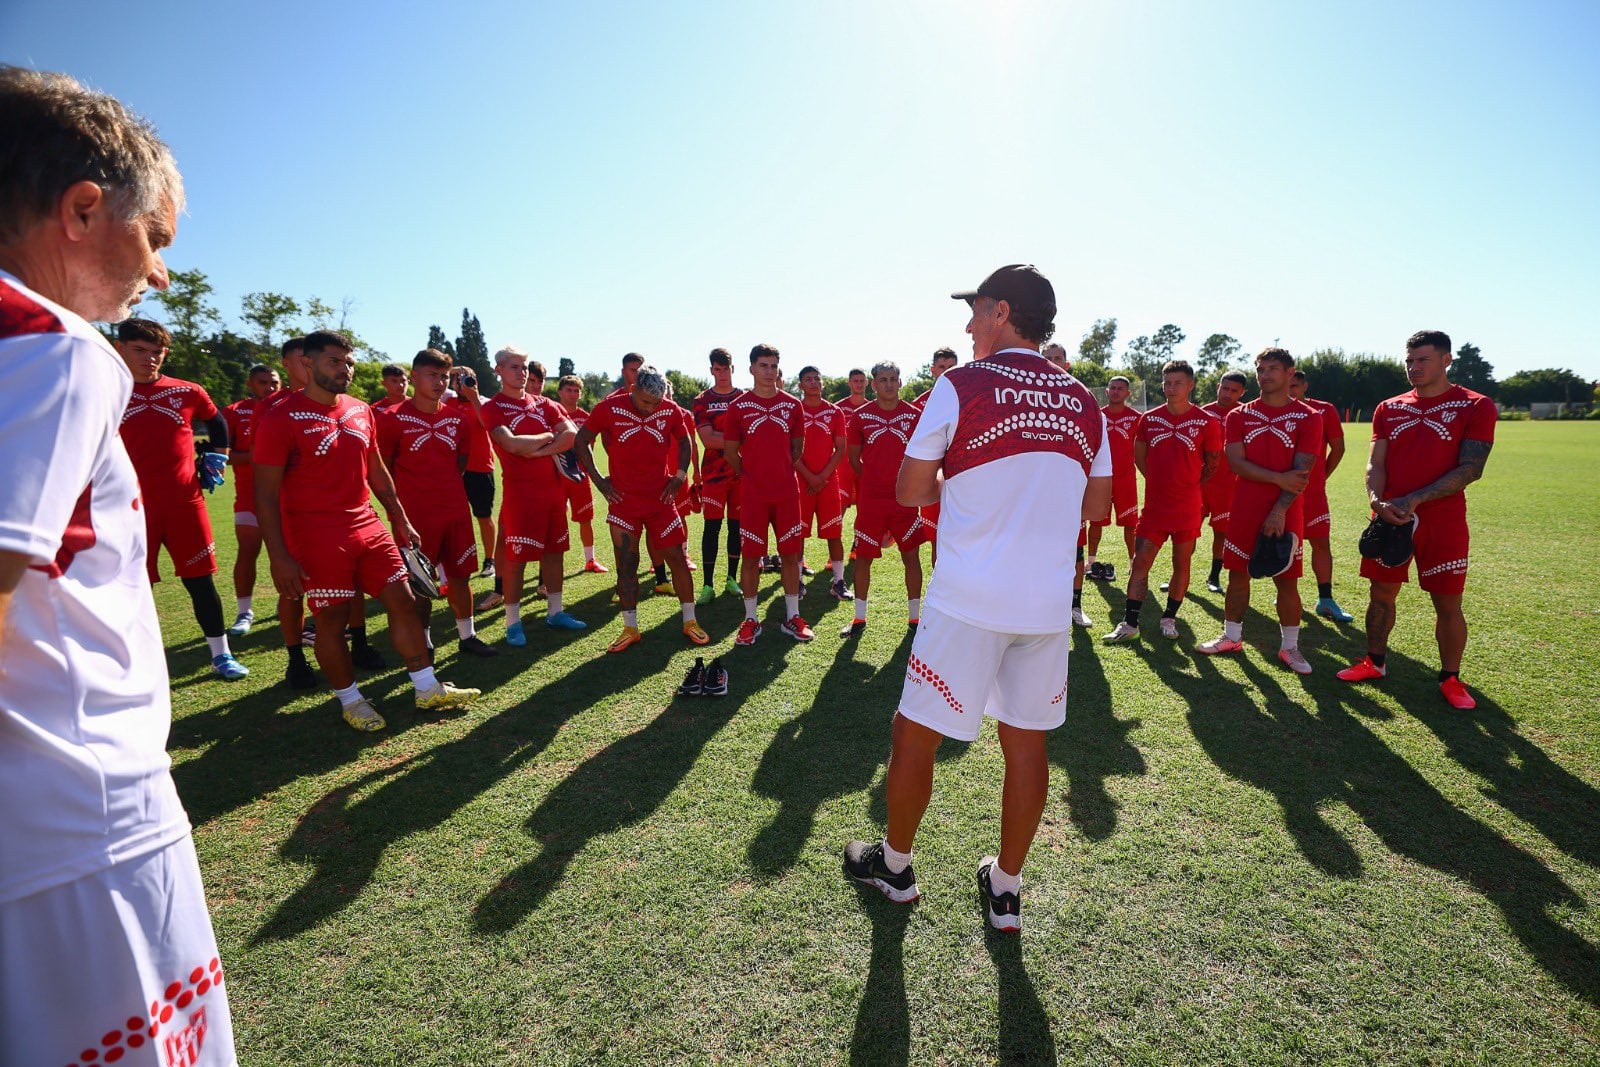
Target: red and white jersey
(1221, 478)
(1174, 459)
(824, 425)
(158, 428)
(882, 437)
(480, 457)
(1120, 425)
(388, 403)
(921, 399)
(710, 408)
(325, 451)
(1332, 430)
(424, 453)
(764, 426)
(640, 449)
(527, 417)
(84, 706)
(1271, 436)
(1425, 435)
(1020, 439)
(240, 417)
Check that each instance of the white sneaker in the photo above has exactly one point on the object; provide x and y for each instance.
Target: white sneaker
(1122, 633)
(1169, 629)
(1081, 618)
(1291, 658)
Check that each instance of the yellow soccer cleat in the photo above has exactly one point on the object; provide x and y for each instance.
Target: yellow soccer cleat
(364, 717)
(696, 633)
(629, 637)
(445, 695)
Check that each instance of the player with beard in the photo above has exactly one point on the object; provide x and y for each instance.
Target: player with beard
(1271, 442)
(719, 488)
(240, 416)
(316, 460)
(158, 430)
(821, 500)
(1218, 489)
(424, 443)
(1122, 419)
(1319, 519)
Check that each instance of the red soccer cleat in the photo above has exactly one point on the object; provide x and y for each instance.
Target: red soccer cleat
(749, 630)
(798, 629)
(1364, 671)
(1455, 694)
(594, 566)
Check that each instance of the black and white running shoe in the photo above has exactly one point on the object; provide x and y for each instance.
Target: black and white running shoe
(694, 683)
(716, 680)
(1004, 910)
(863, 864)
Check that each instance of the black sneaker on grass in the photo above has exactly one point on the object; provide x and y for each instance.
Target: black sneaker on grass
(366, 657)
(1004, 911)
(299, 675)
(715, 683)
(694, 684)
(474, 646)
(864, 865)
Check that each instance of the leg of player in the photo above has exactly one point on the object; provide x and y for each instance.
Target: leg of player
(625, 550)
(1235, 605)
(863, 582)
(1450, 629)
(1079, 617)
(1380, 622)
(912, 558)
(248, 536)
(793, 624)
(1177, 588)
(405, 633)
(1322, 567)
(497, 596)
(908, 786)
(333, 656)
(292, 623)
(1092, 566)
(1144, 558)
(735, 575)
(586, 539)
(362, 654)
(510, 575)
(1130, 538)
(459, 597)
(424, 608)
(555, 617)
(710, 535)
(683, 585)
(1214, 579)
(1022, 800)
(838, 589)
(1289, 610)
(208, 613)
(750, 587)
(486, 533)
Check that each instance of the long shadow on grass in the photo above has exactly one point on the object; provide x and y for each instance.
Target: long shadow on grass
(625, 782)
(883, 1019)
(1024, 1025)
(346, 841)
(1308, 761)
(1092, 745)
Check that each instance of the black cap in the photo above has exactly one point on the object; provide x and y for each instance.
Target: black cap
(1020, 285)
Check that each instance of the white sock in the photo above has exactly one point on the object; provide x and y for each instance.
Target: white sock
(1233, 631)
(588, 553)
(1001, 882)
(466, 627)
(861, 609)
(750, 608)
(513, 613)
(244, 605)
(914, 607)
(218, 645)
(791, 605)
(895, 861)
(838, 569)
(424, 679)
(348, 696)
(630, 618)
(1290, 637)
(552, 604)
(687, 607)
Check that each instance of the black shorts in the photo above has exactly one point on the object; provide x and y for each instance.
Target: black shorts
(480, 492)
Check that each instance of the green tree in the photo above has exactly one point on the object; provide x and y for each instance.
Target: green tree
(471, 348)
(1470, 369)
(1355, 383)
(1545, 386)
(266, 312)
(1145, 356)
(595, 386)
(1099, 344)
(565, 366)
(685, 387)
(439, 342)
(185, 305)
(1218, 350)
(319, 314)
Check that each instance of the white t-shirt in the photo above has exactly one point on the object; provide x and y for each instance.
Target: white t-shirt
(1019, 439)
(85, 780)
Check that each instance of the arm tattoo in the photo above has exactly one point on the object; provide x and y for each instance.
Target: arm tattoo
(1468, 469)
(1303, 461)
(1208, 466)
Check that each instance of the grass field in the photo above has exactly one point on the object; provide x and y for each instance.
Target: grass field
(1236, 865)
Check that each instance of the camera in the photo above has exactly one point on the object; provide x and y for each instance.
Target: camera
(468, 380)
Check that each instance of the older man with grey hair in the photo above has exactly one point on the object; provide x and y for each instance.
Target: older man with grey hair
(108, 944)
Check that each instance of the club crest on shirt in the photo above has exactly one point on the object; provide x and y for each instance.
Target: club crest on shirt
(167, 402)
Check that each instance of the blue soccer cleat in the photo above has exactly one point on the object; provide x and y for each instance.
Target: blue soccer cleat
(229, 668)
(561, 620)
(514, 635)
(1329, 608)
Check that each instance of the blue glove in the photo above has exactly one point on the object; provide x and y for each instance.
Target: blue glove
(210, 469)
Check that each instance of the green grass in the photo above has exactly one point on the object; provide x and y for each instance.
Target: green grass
(1236, 865)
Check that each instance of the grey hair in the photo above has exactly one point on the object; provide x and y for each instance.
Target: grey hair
(55, 132)
(509, 352)
(651, 381)
(885, 365)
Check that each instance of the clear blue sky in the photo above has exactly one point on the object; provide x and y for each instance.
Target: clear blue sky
(591, 179)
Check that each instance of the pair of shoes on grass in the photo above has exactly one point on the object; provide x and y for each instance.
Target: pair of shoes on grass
(705, 680)
(864, 864)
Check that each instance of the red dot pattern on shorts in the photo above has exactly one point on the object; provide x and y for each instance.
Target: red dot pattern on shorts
(135, 1031)
(917, 667)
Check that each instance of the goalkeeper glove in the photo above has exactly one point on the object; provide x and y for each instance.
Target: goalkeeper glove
(209, 470)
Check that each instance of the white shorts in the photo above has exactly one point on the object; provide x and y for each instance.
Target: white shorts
(245, 518)
(958, 673)
(119, 967)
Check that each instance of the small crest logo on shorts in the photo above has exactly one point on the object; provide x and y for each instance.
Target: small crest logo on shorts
(175, 1026)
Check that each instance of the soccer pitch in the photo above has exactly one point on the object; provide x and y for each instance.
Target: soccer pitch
(1236, 865)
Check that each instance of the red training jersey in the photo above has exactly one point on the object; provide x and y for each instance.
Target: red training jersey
(528, 416)
(764, 426)
(241, 419)
(424, 454)
(1174, 459)
(642, 450)
(1120, 427)
(480, 457)
(1425, 435)
(325, 451)
(158, 432)
(1271, 437)
(1220, 484)
(1332, 430)
(824, 425)
(388, 404)
(882, 436)
(710, 409)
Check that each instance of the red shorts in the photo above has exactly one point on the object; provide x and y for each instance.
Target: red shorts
(826, 507)
(449, 541)
(1156, 528)
(720, 498)
(341, 563)
(782, 515)
(878, 519)
(531, 525)
(1439, 548)
(1124, 503)
(642, 513)
(1083, 537)
(1314, 506)
(847, 482)
(1249, 511)
(183, 528)
(930, 515)
(580, 500)
(1219, 502)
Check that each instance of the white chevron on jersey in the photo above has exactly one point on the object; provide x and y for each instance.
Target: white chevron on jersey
(327, 429)
(1282, 426)
(1438, 419)
(168, 402)
(1188, 433)
(424, 431)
